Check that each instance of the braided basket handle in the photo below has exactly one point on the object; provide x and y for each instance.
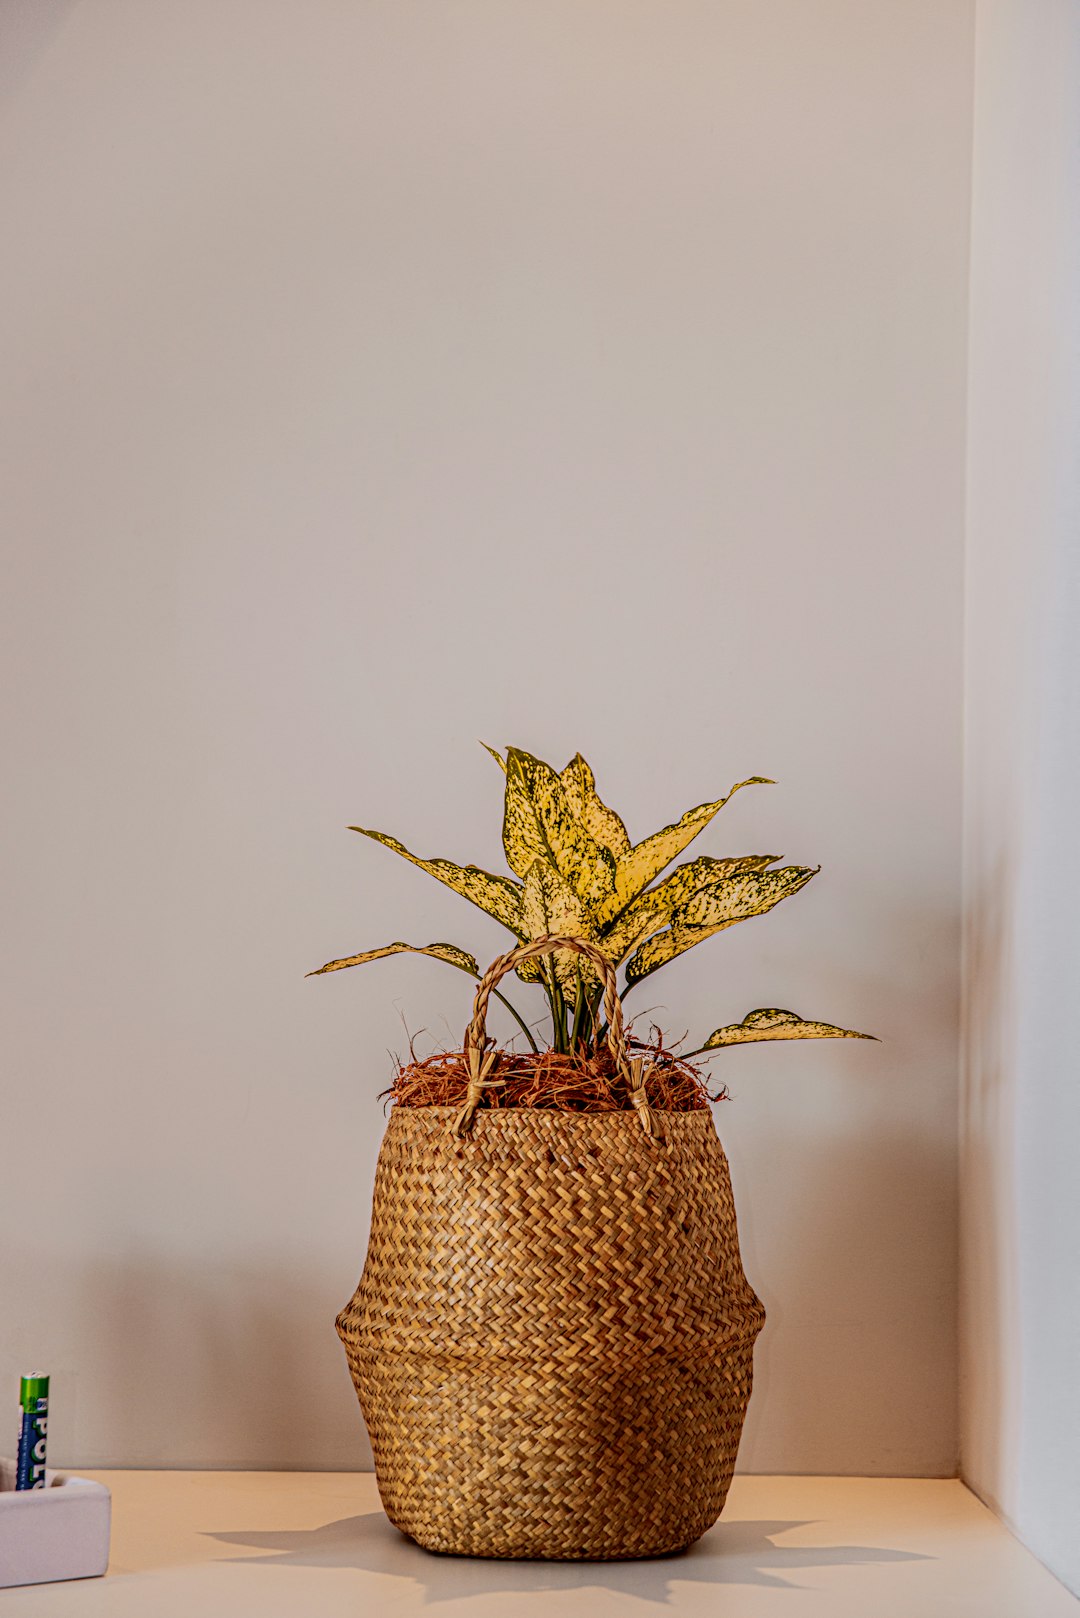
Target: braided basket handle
(480, 1060)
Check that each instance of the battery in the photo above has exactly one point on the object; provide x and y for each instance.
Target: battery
(34, 1413)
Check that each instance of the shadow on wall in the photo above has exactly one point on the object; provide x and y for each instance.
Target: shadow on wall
(237, 1364)
(229, 1366)
(841, 1334)
(732, 1553)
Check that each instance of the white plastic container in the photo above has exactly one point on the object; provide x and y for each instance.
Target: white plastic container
(58, 1532)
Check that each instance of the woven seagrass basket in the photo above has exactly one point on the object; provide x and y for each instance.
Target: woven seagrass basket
(552, 1339)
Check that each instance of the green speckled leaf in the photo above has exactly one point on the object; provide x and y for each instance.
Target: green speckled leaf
(538, 825)
(602, 824)
(496, 755)
(645, 916)
(496, 895)
(442, 952)
(643, 863)
(663, 947)
(654, 908)
(769, 1023)
(712, 908)
(736, 898)
(550, 905)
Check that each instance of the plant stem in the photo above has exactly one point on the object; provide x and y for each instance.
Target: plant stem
(595, 1003)
(518, 1018)
(558, 1008)
(560, 1002)
(588, 1033)
(580, 1003)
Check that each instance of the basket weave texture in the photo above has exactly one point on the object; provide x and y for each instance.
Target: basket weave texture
(552, 1338)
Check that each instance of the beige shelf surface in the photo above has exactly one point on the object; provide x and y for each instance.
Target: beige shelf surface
(288, 1544)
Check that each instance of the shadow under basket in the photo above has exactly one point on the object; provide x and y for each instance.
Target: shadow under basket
(552, 1340)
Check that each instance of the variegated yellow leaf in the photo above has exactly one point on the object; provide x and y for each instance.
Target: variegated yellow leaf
(774, 1024)
(736, 898)
(496, 895)
(550, 905)
(654, 908)
(538, 825)
(644, 862)
(496, 755)
(706, 872)
(643, 917)
(602, 824)
(663, 947)
(711, 909)
(442, 952)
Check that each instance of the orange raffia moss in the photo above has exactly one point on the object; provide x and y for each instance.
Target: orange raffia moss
(575, 1081)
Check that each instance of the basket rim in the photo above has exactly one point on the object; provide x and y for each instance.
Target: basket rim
(489, 1115)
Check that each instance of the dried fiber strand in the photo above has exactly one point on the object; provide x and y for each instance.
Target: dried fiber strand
(561, 1082)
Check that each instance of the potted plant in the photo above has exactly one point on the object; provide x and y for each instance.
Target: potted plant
(552, 1338)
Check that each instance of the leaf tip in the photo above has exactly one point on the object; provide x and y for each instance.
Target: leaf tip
(495, 754)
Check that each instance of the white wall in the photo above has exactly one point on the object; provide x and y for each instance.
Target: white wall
(1020, 1258)
(387, 375)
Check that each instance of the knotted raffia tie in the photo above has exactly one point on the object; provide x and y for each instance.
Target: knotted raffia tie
(480, 1065)
(639, 1077)
(479, 1068)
